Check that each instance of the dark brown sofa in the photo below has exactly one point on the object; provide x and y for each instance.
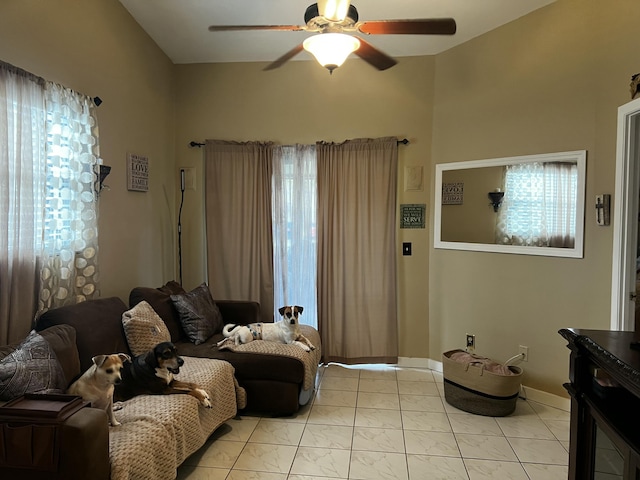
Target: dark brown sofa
(274, 384)
(138, 448)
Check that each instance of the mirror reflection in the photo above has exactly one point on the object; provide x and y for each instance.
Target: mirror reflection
(526, 205)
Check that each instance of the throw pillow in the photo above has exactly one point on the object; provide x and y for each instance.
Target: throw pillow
(31, 368)
(62, 339)
(199, 314)
(144, 328)
(160, 301)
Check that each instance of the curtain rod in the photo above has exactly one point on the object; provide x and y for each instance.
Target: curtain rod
(38, 80)
(193, 143)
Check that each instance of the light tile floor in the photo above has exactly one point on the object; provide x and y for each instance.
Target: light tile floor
(383, 422)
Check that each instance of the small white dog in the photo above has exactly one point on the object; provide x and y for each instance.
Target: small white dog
(283, 331)
(96, 385)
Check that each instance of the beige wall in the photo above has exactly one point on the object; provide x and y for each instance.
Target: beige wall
(96, 48)
(473, 221)
(551, 81)
(302, 103)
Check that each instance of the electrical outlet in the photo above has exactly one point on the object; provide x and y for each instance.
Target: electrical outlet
(524, 351)
(471, 342)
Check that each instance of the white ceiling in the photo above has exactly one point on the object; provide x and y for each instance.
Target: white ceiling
(180, 27)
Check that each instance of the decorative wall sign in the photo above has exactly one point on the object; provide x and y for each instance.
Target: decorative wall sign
(137, 172)
(453, 193)
(412, 215)
(412, 178)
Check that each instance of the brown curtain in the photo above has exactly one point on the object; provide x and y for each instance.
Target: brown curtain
(356, 250)
(238, 218)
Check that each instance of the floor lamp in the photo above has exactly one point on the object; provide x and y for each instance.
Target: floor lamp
(182, 187)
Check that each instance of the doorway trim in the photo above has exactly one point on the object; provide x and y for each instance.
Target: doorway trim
(625, 218)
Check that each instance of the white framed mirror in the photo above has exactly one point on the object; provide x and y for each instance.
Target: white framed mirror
(526, 205)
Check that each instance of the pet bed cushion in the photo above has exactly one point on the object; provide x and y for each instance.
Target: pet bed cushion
(31, 368)
(310, 360)
(199, 314)
(178, 424)
(143, 328)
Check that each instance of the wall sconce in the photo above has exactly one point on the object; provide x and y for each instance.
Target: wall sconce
(104, 170)
(496, 199)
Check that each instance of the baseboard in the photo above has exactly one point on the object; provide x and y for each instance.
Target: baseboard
(413, 362)
(529, 393)
(546, 398)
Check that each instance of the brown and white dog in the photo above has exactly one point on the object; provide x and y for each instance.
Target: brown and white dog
(285, 330)
(96, 385)
(152, 373)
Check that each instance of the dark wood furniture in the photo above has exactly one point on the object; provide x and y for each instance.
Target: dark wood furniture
(605, 404)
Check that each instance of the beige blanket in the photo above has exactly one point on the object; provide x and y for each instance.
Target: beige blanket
(310, 360)
(159, 432)
(488, 364)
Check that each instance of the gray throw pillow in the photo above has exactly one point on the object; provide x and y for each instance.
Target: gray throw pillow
(31, 368)
(199, 314)
(62, 340)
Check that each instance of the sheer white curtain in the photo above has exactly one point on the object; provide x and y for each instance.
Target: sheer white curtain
(561, 198)
(539, 205)
(22, 164)
(294, 201)
(70, 253)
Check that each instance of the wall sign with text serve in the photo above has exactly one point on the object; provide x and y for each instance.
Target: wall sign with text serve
(137, 172)
(412, 215)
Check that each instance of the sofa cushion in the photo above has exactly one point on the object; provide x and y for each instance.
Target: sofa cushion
(160, 301)
(199, 314)
(144, 328)
(31, 368)
(98, 325)
(62, 339)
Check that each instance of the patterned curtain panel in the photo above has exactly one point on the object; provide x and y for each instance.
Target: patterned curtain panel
(70, 252)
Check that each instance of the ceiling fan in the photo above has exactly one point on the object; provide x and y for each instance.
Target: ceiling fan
(331, 19)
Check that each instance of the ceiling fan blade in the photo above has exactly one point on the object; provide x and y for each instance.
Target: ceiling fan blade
(228, 28)
(425, 26)
(284, 58)
(373, 56)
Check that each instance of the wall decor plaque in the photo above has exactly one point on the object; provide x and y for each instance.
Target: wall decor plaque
(412, 215)
(137, 172)
(453, 193)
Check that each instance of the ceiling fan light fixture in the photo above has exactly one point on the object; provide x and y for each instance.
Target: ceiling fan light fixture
(331, 49)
